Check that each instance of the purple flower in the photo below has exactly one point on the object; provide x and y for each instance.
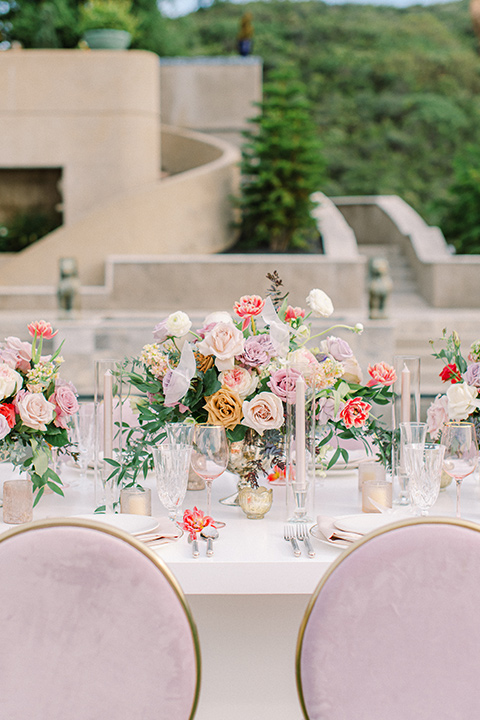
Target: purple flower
(257, 351)
(339, 349)
(472, 375)
(160, 332)
(326, 410)
(283, 384)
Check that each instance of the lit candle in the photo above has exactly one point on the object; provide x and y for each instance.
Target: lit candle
(136, 501)
(300, 475)
(378, 492)
(108, 414)
(405, 395)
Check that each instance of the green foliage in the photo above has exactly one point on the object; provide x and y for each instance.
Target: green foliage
(394, 91)
(461, 210)
(282, 166)
(107, 14)
(26, 228)
(42, 24)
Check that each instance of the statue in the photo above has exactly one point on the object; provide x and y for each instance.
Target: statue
(68, 291)
(380, 286)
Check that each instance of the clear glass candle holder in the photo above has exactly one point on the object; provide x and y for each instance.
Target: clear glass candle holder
(376, 495)
(255, 502)
(136, 501)
(370, 472)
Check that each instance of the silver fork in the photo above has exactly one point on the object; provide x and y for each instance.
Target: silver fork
(302, 534)
(289, 534)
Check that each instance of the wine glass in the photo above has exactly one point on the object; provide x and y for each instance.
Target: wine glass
(461, 452)
(425, 471)
(209, 455)
(171, 462)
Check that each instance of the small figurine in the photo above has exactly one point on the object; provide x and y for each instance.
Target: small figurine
(68, 291)
(380, 286)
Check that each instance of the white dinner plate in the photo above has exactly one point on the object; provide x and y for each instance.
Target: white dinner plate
(355, 457)
(339, 545)
(133, 524)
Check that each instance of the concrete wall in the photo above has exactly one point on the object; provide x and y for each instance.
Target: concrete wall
(94, 114)
(443, 279)
(212, 95)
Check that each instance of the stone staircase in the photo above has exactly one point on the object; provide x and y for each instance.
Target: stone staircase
(415, 322)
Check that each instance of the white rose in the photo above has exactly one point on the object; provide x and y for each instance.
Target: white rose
(461, 400)
(224, 341)
(178, 324)
(216, 317)
(35, 411)
(264, 412)
(239, 380)
(319, 303)
(10, 381)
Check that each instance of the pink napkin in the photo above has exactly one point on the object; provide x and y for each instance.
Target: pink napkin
(166, 532)
(326, 527)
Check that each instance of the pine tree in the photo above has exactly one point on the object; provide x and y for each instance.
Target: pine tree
(282, 165)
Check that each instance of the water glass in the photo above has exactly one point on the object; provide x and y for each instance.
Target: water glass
(83, 435)
(425, 463)
(172, 464)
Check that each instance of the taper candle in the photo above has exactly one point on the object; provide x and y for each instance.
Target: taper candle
(405, 395)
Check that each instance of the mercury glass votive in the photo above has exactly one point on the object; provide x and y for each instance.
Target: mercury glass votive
(376, 494)
(136, 501)
(17, 501)
(255, 502)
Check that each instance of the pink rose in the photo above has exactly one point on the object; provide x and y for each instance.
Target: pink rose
(283, 383)
(35, 410)
(264, 412)
(239, 380)
(437, 416)
(224, 341)
(66, 403)
(257, 351)
(23, 352)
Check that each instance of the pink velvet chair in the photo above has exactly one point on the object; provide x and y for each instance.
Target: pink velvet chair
(93, 626)
(393, 630)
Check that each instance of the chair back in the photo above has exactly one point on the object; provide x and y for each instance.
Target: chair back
(93, 626)
(393, 629)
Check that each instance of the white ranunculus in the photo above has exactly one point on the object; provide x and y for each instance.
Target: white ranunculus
(178, 324)
(35, 411)
(319, 303)
(462, 400)
(264, 412)
(10, 381)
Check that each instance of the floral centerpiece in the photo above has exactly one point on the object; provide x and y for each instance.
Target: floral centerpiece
(233, 372)
(35, 407)
(461, 400)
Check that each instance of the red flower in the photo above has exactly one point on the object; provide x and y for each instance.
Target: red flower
(293, 313)
(355, 412)
(248, 307)
(452, 373)
(8, 410)
(381, 374)
(194, 521)
(43, 329)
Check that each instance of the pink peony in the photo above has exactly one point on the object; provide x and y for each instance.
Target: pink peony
(381, 374)
(437, 416)
(355, 413)
(283, 383)
(248, 307)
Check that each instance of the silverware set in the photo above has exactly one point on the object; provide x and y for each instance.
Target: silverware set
(294, 532)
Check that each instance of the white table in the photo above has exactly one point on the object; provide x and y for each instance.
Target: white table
(249, 598)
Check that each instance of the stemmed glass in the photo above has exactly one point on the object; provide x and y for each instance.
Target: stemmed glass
(172, 463)
(83, 435)
(209, 455)
(425, 471)
(461, 452)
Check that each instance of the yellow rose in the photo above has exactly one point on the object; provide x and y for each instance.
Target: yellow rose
(224, 408)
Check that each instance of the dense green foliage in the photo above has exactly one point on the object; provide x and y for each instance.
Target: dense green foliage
(461, 210)
(281, 167)
(396, 92)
